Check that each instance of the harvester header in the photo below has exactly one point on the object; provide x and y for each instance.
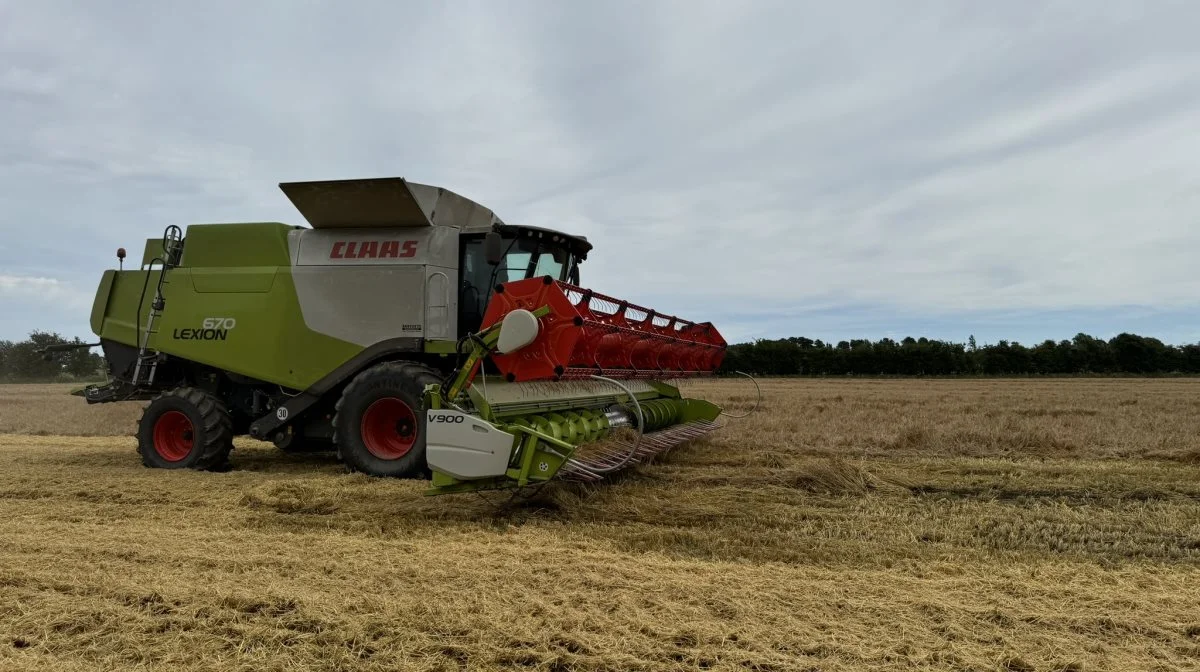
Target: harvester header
(410, 329)
(586, 333)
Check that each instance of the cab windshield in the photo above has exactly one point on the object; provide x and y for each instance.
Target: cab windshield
(525, 257)
(529, 258)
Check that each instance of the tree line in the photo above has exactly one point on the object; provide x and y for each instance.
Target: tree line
(1123, 354)
(21, 363)
(1082, 355)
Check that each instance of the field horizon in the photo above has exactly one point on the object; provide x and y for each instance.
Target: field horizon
(850, 524)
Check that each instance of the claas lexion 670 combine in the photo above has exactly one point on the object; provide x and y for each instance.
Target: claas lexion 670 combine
(410, 330)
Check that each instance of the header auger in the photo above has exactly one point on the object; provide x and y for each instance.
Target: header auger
(410, 329)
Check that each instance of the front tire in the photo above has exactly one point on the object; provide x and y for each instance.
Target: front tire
(185, 428)
(379, 423)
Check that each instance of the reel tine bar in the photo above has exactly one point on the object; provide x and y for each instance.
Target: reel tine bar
(600, 458)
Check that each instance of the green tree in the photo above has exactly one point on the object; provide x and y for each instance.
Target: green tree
(1138, 354)
(82, 363)
(21, 361)
(924, 356)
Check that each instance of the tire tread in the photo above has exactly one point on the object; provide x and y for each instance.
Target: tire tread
(216, 426)
(401, 369)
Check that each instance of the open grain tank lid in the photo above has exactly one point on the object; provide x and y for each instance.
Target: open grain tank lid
(377, 202)
(393, 202)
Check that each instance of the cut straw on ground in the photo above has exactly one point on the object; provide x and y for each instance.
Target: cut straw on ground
(849, 525)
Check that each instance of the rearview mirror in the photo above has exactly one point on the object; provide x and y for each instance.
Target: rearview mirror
(493, 248)
(519, 329)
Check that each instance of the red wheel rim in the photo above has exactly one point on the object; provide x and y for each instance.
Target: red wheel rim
(173, 436)
(389, 428)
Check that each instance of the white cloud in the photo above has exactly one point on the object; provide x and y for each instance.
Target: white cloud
(16, 284)
(771, 162)
(42, 291)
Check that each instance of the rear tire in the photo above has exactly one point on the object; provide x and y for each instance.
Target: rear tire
(185, 428)
(379, 422)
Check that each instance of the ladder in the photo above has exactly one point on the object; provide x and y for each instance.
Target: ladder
(147, 359)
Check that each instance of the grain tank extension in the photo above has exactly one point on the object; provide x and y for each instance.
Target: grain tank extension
(409, 329)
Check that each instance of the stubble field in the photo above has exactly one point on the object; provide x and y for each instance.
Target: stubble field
(848, 525)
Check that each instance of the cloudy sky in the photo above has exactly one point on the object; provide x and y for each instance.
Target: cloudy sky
(1020, 170)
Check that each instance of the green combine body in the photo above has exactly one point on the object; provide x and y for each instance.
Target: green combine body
(369, 333)
(233, 304)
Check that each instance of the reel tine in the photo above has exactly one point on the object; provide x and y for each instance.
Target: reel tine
(602, 458)
(579, 472)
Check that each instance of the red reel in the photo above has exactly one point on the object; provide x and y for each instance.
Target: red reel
(587, 333)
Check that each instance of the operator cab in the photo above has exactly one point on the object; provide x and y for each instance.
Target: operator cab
(510, 253)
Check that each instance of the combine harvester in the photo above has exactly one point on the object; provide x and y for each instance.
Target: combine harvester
(410, 329)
